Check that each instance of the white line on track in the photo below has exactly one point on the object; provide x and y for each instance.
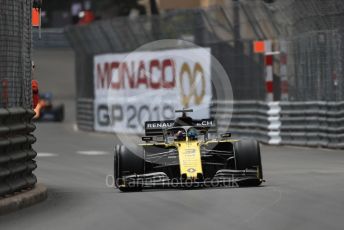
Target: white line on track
(75, 128)
(92, 153)
(310, 148)
(47, 155)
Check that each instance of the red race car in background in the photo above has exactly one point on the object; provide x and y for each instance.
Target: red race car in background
(47, 111)
(43, 106)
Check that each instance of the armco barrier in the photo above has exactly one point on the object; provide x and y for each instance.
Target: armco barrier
(50, 38)
(85, 111)
(253, 119)
(314, 124)
(317, 124)
(16, 154)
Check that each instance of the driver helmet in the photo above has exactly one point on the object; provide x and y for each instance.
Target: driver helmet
(192, 133)
(180, 135)
(47, 96)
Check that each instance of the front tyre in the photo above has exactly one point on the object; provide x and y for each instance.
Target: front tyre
(126, 163)
(247, 156)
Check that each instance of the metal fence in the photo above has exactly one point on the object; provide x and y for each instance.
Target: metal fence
(312, 31)
(16, 153)
(301, 16)
(228, 31)
(15, 53)
(315, 33)
(316, 71)
(313, 57)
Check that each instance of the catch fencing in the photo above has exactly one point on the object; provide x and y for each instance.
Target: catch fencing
(311, 29)
(16, 154)
(316, 67)
(312, 60)
(295, 17)
(228, 30)
(15, 53)
(314, 32)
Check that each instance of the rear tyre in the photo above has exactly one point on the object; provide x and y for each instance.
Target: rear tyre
(59, 113)
(126, 163)
(247, 156)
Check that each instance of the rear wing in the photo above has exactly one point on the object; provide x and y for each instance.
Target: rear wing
(156, 128)
(205, 125)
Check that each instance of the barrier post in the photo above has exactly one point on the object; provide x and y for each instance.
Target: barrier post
(265, 47)
(274, 127)
(283, 70)
(268, 62)
(4, 96)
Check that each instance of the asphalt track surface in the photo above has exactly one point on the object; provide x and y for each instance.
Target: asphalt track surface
(304, 189)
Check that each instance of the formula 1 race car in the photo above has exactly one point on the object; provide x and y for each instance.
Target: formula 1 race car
(179, 153)
(47, 111)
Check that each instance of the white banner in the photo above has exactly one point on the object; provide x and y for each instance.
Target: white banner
(133, 88)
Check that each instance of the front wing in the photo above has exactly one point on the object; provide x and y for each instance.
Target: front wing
(223, 177)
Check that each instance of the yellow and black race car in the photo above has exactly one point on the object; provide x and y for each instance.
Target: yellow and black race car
(179, 153)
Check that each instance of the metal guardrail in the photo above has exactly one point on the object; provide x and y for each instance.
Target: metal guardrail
(313, 124)
(16, 154)
(317, 124)
(50, 38)
(85, 114)
(255, 119)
